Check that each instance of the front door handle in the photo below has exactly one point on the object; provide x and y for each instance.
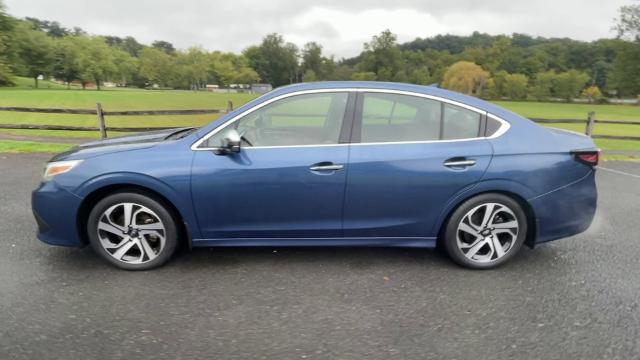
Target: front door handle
(459, 163)
(326, 167)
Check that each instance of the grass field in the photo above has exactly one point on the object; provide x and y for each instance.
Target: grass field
(11, 146)
(544, 110)
(131, 99)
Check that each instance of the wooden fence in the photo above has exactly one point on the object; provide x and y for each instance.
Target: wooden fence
(100, 113)
(589, 122)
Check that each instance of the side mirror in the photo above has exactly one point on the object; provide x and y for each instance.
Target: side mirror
(230, 143)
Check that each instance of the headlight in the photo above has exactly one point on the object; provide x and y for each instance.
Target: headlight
(59, 167)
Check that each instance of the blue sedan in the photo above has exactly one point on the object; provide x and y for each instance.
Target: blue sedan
(327, 164)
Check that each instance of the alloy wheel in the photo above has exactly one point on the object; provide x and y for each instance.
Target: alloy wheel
(487, 232)
(131, 233)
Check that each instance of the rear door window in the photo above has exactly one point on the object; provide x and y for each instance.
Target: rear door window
(398, 118)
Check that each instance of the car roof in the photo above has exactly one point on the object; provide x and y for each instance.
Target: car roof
(420, 89)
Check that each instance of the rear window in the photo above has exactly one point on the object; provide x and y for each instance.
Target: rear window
(460, 123)
(397, 118)
(492, 126)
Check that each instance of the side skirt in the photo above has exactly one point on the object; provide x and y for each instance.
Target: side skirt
(416, 242)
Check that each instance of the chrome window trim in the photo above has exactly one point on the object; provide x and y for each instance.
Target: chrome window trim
(501, 130)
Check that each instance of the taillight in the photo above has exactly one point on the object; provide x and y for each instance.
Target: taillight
(588, 157)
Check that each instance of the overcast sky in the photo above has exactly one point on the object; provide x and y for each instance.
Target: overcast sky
(341, 26)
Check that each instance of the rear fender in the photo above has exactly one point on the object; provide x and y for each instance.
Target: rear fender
(508, 187)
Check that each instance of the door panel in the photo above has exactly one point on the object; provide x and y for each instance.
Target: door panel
(270, 192)
(399, 190)
(288, 179)
(407, 168)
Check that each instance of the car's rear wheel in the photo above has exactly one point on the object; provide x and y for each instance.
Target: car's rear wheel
(485, 231)
(132, 231)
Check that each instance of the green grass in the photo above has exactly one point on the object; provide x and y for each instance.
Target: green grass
(117, 99)
(11, 146)
(571, 111)
(627, 145)
(602, 129)
(616, 157)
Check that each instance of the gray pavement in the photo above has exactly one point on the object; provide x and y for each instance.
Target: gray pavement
(574, 298)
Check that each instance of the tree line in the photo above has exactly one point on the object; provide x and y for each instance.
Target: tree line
(516, 66)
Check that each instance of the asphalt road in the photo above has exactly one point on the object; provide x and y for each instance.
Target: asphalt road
(574, 298)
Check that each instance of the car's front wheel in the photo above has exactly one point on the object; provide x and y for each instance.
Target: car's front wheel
(485, 231)
(132, 231)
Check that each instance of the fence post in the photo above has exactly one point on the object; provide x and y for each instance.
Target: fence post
(103, 128)
(591, 118)
(229, 106)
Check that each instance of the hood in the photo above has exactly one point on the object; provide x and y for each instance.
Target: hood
(123, 143)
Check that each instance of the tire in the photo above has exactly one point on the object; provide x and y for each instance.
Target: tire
(476, 241)
(148, 240)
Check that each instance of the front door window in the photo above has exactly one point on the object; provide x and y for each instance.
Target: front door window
(310, 119)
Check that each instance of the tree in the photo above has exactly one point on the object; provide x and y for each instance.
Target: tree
(592, 93)
(165, 46)
(274, 60)
(497, 87)
(131, 46)
(382, 56)
(515, 86)
(342, 72)
(128, 44)
(35, 52)
(628, 23)
(66, 56)
(229, 68)
(52, 28)
(543, 85)
(126, 68)
(363, 76)
(465, 77)
(193, 68)
(600, 72)
(97, 61)
(309, 76)
(245, 75)
(625, 76)
(421, 76)
(156, 66)
(568, 84)
(312, 58)
(6, 27)
(314, 65)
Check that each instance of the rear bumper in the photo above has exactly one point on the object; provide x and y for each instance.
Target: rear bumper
(55, 210)
(566, 211)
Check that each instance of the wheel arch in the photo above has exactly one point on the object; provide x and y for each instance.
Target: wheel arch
(95, 195)
(532, 223)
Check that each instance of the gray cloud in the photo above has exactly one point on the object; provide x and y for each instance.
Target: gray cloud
(341, 26)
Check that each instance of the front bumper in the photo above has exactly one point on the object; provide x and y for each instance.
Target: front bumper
(56, 210)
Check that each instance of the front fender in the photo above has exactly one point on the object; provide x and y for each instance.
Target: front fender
(179, 197)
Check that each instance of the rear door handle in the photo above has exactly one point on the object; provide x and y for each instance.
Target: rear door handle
(459, 162)
(326, 167)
